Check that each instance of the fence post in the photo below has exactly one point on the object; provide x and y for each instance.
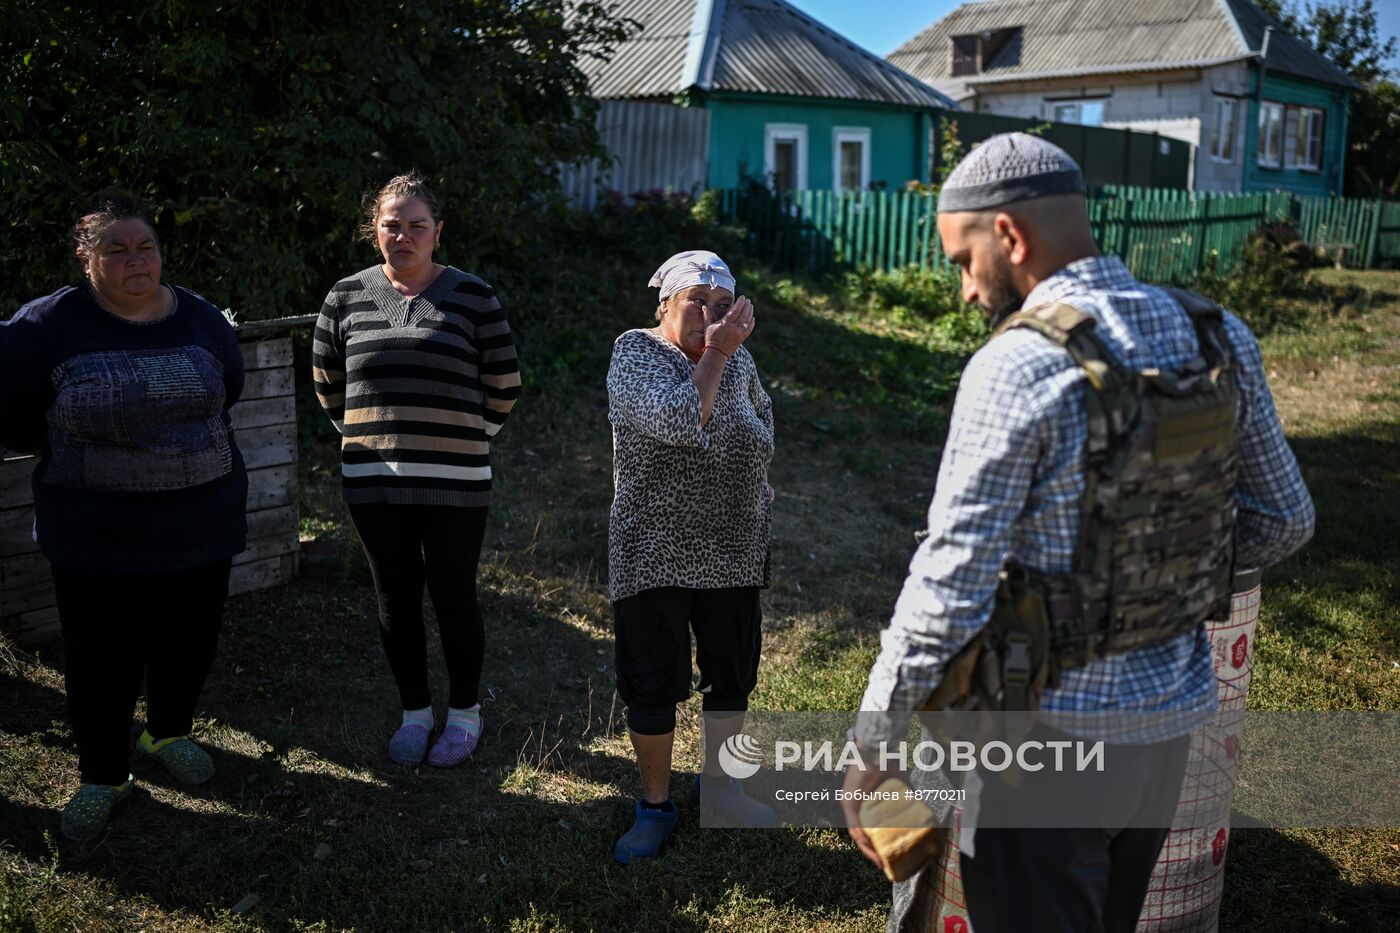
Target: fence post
(1375, 236)
(1369, 258)
(1200, 210)
(1127, 236)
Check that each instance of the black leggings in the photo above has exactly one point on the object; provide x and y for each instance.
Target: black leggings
(440, 545)
(121, 627)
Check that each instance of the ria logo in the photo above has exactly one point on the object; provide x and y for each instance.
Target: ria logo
(740, 757)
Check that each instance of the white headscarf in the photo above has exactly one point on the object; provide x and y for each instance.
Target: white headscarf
(692, 267)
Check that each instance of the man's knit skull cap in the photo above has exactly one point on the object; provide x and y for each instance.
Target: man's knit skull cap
(1007, 168)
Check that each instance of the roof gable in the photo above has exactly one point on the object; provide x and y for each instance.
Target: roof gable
(1073, 37)
(1287, 53)
(747, 46)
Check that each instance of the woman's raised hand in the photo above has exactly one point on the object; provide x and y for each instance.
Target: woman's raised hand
(733, 329)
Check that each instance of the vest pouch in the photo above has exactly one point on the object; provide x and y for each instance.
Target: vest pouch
(1192, 427)
(1020, 631)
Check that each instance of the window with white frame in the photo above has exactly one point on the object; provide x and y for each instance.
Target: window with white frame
(1222, 135)
(1271, 134)
(785, 156)
(1307, 139)
(850, 158)
(1083, 112)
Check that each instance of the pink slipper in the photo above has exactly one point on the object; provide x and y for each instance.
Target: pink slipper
(408, 744)
(452, 747)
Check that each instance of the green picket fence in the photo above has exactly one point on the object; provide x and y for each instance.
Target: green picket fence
(1166, 234)
(1187, 222)
(817, 231)
(1162, 234)
(1388, 235)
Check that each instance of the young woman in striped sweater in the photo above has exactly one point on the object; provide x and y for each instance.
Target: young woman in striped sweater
(414, 363)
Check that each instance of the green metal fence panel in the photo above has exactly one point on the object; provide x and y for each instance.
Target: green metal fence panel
(1161, 234)
(1388, 235)
(1106, 156)
(1347, 224)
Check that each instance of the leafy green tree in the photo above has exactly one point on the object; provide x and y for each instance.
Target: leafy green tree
(255, 128)
(1348, 32)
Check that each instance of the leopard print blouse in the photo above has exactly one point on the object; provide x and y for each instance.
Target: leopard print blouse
(690, 507)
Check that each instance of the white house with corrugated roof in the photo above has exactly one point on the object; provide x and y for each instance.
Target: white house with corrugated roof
(1265, 110)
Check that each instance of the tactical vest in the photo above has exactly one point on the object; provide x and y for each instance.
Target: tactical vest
(1155, 548)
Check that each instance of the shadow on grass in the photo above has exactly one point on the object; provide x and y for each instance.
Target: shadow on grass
(1353, 558)
(1274, 882)
(306, 812)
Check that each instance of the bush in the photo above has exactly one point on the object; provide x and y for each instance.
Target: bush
(1267, 283)
(253, 130)
(920, 294)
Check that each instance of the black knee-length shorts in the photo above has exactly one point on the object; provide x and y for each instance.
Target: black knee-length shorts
(651, 632)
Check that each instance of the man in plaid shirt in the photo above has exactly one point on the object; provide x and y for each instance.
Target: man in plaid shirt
(1013, 217)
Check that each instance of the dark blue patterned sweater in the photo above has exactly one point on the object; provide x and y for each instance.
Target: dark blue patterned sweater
(138, 470)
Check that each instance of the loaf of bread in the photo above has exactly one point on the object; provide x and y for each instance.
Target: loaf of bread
(902, 828)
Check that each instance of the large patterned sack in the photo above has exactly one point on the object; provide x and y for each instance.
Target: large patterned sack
(1184, 895)
(1186, 887)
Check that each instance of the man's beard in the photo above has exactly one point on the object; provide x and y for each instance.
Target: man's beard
(1000, 298)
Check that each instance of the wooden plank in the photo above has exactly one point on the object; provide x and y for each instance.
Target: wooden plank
(864, 216)
(256, 575)
(260, 412)
(39, 596)
(898, 238)
(269, 446)
(15, 487)
(271, 487)
(23, 570)
(17, 531)
(249, 330)
(266, 522)
(266, 354)
(33, 627)
(268, 383)
(877, 232)
(286, 542)
(39, 625)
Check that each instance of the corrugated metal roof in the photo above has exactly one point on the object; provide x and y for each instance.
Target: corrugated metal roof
(1287, 53)
(767, 46)
(1073, 37)
(751, 46)
(650, 63)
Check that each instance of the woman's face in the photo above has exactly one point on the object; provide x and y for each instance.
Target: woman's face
(691, 310)
(124, 267)
(406, 233)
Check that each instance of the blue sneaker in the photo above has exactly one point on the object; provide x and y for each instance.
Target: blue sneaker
(649, 829)
(731, 807)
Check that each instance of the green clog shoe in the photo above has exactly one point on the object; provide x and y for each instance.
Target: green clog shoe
(86, 814)
(186, 761)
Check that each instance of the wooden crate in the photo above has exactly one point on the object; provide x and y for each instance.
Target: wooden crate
(265, 424)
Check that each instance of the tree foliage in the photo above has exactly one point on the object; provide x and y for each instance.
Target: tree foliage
(255, 128)
(1348, 32)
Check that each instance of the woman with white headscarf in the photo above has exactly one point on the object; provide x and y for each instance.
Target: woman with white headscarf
(688, 534)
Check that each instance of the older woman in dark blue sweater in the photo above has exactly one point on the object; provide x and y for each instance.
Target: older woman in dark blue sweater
(122, 385)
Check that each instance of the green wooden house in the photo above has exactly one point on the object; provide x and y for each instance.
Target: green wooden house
(776, 95)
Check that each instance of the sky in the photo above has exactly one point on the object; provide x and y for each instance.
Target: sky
(883, 25)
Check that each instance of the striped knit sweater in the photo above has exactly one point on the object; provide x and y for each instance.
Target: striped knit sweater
(417, 387)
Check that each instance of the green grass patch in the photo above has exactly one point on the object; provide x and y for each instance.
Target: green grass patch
(861, 371)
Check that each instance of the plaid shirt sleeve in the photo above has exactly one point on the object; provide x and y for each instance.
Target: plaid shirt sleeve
(995, 439)
(1275, 512)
